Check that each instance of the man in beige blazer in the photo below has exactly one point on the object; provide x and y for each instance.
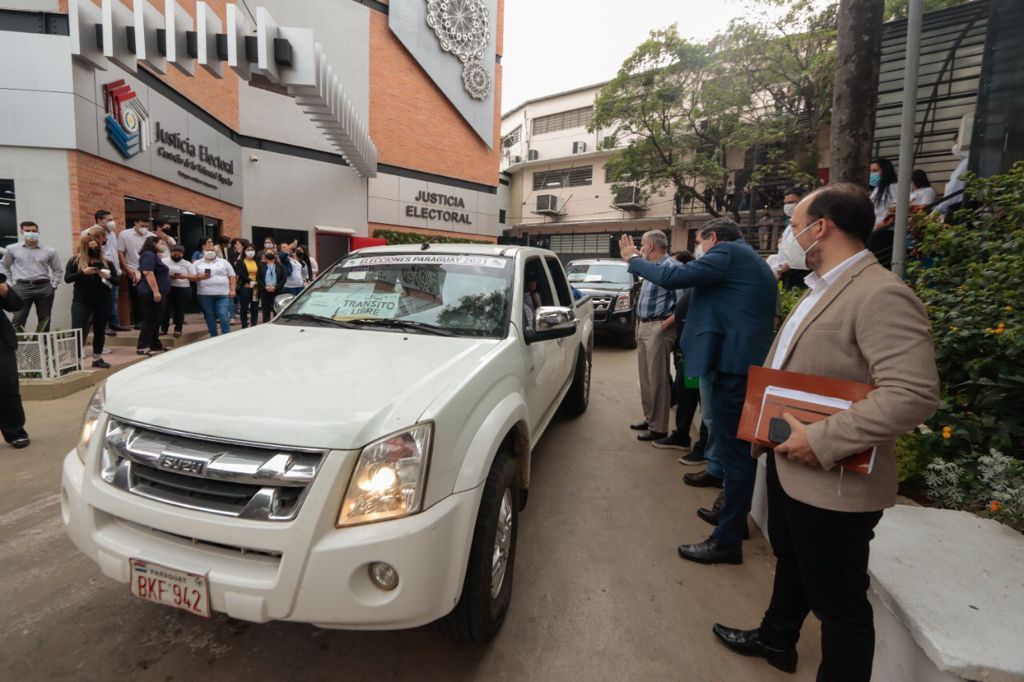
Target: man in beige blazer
(857, 321)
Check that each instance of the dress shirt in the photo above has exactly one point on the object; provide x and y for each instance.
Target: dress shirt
(817, 287)
(655, 301)
(923, 196)
(110, 251)
(23, 263)
(129, 242)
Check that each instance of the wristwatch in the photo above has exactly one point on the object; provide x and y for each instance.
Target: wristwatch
(635, 255)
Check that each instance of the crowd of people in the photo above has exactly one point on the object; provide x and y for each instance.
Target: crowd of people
(229, 278)
(857, 321)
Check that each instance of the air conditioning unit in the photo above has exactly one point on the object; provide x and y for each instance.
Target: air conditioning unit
(579, 147)
(517, 159)
(547, 204)
(532, 155)
(629, 198)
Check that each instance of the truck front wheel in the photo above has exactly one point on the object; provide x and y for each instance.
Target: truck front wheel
(487, 590)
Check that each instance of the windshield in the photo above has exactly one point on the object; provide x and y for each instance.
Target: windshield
(461, 295)
(599, 273)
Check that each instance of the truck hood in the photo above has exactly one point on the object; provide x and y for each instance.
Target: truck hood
(602, 289)
(300, 386)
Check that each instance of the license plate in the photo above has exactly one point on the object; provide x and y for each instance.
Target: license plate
(170, 587)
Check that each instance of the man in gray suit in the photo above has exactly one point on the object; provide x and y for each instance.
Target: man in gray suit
(858, 322)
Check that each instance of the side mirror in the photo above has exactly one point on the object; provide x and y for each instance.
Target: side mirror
(552, 322)
(281, 302)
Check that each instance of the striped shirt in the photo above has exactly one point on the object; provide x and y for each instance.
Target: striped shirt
(656, 301)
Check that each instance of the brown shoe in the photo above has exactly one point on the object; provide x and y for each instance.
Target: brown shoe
(702, 479)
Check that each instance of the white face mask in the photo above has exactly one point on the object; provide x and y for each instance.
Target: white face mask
(788, 209)
(140, 230)
(699, 251)
(250, 253)
(209, 255)
(32, 237)
(794, 254)
(111, 225)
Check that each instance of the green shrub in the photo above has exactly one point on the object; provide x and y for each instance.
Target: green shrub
(970, 276)
(395, 237)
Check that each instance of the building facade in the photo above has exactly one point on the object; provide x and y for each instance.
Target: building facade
(223, 152)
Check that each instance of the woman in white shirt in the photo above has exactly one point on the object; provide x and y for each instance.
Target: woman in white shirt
(883, 193)
(922, 194)
(216, 281)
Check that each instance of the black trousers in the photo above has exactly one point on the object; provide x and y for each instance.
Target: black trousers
(687, 400)
(248, 305)
(152, 313)
(267, 304)
(135, 302)
(94, 314)
(12, 415)
(822, 566)
(175, 308)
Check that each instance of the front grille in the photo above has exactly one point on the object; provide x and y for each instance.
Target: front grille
(232, 479)
(602, 307)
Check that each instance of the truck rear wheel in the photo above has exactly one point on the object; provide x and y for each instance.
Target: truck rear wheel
(487, 589)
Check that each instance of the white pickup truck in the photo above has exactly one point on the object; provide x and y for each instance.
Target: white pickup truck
(360, 462)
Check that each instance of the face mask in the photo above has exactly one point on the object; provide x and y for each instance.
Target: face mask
(94, 252)
(140, 230)
(788, 209)
(250, 253)
(31, 237)
(111, 225)
(794, 254)
(699, 251)
(209, 255)
(874, 179)
(176, 257)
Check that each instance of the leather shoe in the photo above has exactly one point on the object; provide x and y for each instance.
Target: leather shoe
(710, 552)
(639, 426)
(702, 479)
(20, 442)
(651, 435)
(711, 516)
(746, 642)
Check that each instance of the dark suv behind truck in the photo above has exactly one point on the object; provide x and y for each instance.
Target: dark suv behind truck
(614, 292)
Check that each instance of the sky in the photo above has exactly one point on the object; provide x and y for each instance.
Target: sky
(556, 45)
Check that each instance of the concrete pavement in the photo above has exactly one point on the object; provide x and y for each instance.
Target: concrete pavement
(599, 594)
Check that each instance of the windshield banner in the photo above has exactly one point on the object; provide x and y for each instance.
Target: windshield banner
(426, 259)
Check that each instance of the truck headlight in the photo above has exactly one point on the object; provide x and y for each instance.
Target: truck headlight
(389, 478)
(622, 302)
(90, 420)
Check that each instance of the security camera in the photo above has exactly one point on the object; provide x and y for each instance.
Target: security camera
(254, 158)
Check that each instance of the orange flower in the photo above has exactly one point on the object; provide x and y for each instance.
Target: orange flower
(947, 432)
(1008, 308)
(994, 506)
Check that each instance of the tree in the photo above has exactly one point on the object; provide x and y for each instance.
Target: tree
(676, 111)
(856, 88)
(787, 57)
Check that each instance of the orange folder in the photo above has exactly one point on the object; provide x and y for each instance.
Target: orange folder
(809, 398)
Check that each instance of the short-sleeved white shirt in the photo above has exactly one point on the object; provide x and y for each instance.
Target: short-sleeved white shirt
(219, 283)
(182, 267)
(130, 242)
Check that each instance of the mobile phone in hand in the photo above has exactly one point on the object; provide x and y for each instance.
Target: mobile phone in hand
(779, 430)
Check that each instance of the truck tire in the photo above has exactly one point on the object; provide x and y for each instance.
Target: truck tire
(578, 398)
(487, 589)
(630, 338)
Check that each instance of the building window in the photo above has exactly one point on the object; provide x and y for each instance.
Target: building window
(568, 177)
(501, 216)
(577, 118)
(8, 215)
(512, 138)
(595, 244)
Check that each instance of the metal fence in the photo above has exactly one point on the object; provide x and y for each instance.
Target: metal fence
(48, 355)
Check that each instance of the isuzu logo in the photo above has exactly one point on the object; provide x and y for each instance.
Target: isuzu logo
(183, 465)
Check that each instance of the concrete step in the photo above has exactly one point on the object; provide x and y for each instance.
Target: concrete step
(190, 334)
(53, 389)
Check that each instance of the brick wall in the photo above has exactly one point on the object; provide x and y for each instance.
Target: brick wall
(97, 183)
(370, 227)
(411, 121)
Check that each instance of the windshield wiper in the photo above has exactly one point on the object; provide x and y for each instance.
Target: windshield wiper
(316, 319)
(400, 324)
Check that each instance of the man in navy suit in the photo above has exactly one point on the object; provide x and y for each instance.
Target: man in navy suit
(729, 327)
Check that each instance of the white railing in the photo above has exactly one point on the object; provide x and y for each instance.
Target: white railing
(48, 355)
